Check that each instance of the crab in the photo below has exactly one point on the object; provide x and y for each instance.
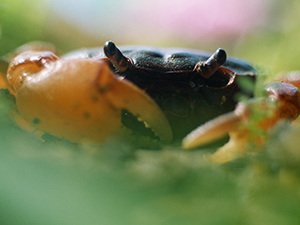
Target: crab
(167, 94)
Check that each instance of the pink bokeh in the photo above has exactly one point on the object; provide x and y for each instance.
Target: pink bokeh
(199, 18)
(149, 21)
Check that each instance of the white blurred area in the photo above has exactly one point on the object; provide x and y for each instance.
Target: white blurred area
(170, 21)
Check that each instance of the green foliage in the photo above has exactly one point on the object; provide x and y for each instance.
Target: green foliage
(20, 22)
(276, 48)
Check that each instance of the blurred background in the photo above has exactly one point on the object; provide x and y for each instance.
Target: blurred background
(67, 184)
(263, 31)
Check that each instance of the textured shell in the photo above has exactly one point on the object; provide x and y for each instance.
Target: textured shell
(165, 60)
(168, 76)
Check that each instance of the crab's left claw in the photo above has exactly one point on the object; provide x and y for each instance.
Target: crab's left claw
(230, 123)
(283, 103)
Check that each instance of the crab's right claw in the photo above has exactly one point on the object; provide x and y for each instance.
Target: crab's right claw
(124, 95)
(80, 100)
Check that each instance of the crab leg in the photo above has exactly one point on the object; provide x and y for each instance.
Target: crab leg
(283, 103)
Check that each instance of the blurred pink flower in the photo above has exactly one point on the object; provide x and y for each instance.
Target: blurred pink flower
(199, 18)
(156, 20)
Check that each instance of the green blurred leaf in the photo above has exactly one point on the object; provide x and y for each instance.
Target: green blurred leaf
(20, 22)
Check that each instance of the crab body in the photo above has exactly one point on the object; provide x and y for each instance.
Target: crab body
(168, 76)
(93, 95)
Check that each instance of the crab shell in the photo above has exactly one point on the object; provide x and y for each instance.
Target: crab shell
(167, 75)
(79, 97)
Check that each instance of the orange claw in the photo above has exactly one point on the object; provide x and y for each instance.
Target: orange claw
(80, 100)
(122, 94)
(283, 103)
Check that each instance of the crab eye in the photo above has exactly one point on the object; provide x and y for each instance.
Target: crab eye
(212, 64)
(115, 56)
(219, 56)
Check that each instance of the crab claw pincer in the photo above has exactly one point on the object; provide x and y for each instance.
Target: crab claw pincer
(282, 103)
(80, 100)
